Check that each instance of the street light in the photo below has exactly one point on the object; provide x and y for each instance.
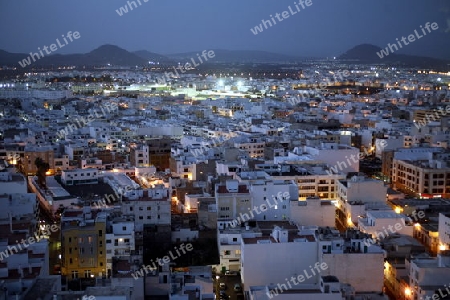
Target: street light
(407, 292)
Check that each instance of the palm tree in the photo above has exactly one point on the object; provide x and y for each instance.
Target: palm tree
(42, 168)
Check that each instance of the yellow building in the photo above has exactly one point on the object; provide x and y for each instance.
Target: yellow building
(83, 244)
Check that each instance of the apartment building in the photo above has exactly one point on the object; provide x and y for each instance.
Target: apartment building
(159, 152)
(428, 277)
(377, 223)
(119, 240)
(444, 231)
(232, 199)
(253, 145)
(344, 255)
(424, 178)
(312, 179)
(31, 153)
(229, 239)
(79, 176)
(313, 211)
(139, 156)
(150, 206)
(12, 182)
(83, 245)
(356, 195)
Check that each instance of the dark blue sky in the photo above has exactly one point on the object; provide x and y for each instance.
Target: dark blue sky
(326, 28)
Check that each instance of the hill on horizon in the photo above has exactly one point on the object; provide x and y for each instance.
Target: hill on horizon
(111, 55)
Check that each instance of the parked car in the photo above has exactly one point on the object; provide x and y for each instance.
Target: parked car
(222, 286)
(237, 287)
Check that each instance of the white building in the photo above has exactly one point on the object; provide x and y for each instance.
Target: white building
(312, 179)
(229, 240)
(444, 231)
(275, 196)
(232, 199)
(119, 239)
(357, 195)
(381, 224)
(12, 182)
(313, 211)
(151, 206)
(427, 276)
(329, 288)
(79, 176)
(266, 260)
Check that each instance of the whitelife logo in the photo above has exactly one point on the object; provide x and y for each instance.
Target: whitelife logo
(411, 38)
(84, 121)
(165, 260)
(124, 9)
(35, 56)
(281, 17)
(187, 66)
(31, 240)
(281, 287)
(393, 229)
(245, 217)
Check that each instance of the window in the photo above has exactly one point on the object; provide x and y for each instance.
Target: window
(90, 239)
(124, 228)
(127, 240)
(70, 250)
(70, 240)
(100, 233)
(149, 217)
(141, 218)
(74, 274)
(149, 208)
(87, 273)
(227, 252)
(141, 209)
(234, 239)
(108, 241)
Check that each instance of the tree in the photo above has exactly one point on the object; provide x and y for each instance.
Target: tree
(42, 168)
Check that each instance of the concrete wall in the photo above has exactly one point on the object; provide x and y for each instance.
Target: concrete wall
(364, 271)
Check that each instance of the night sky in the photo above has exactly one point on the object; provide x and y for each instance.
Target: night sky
(326, 28)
